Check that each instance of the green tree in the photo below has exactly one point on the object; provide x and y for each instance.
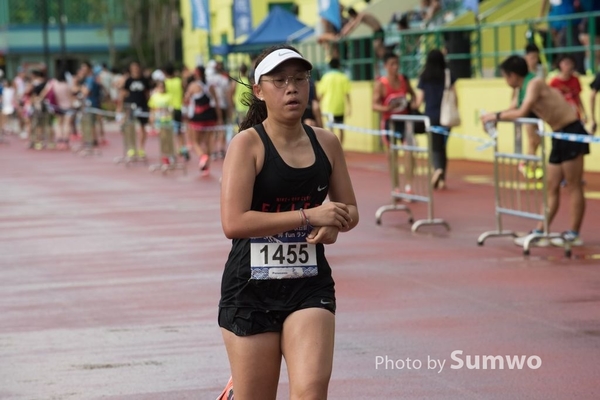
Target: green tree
(154, 29)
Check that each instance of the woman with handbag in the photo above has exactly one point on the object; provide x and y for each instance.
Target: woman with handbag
(436, 90)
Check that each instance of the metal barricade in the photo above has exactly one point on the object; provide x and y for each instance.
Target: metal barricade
(168, 156)
(410, 165)
(130, 148)
(521, 193)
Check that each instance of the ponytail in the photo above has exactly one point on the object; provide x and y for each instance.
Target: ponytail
(257, 111)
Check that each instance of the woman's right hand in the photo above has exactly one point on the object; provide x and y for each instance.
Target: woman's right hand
(329, 214)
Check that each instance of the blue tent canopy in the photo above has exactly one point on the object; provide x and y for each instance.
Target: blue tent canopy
(280, 26)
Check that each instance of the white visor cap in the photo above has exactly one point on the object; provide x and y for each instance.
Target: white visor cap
(270, 62)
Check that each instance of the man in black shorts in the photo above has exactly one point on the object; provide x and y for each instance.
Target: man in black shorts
(136, 91)
(566, 157)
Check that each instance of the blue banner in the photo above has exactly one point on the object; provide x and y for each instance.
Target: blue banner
(200, 14)
(330, 10)
(242, 17)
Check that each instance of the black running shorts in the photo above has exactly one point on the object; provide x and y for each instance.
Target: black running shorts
(564, 150)
(248, 321)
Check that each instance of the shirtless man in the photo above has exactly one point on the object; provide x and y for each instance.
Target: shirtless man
(371, 21)
(566, 158)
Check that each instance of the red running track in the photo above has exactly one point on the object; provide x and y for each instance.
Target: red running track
(109, 283)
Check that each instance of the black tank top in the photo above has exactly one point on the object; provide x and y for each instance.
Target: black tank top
(203, 111)
(279, 187)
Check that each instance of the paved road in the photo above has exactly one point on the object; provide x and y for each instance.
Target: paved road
(109, 282)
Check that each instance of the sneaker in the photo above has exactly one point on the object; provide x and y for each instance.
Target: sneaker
(569, 236)
(227, 393)
(141, 153)
(131, 153)
(203, 163)
(539, 173)
(540, 242)
(165, 161)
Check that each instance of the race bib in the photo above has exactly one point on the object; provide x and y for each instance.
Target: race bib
(398, 103)
(284, 256)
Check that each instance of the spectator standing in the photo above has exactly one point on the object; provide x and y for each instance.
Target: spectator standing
(174, 87)
(9, 104)
(63, 107)
(161, 114)
(431, 91)
(20, 83)
(217, 78)
(312, 114)
(105, 78)
(568, 84)
(534, 61)
(115, 84)
(333, 91)
(91, 90)
(41, 117)
(393, 95)
(536, 70)
(135, 91)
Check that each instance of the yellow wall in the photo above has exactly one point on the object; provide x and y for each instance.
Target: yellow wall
(362, 116)
(194, 42)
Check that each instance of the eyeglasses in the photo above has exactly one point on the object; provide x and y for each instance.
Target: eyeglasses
(299, 80)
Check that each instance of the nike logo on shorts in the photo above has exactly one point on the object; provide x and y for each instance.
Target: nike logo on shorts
(320, 189)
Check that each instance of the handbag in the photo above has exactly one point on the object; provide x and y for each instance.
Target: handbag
(449, 115)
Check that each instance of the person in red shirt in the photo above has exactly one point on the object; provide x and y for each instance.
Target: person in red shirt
(568, 84)
(392, 95)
